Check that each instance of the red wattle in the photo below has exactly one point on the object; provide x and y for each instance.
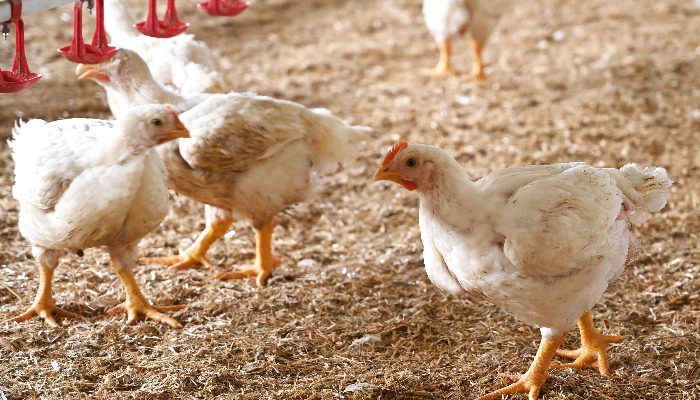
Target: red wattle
(409, 185)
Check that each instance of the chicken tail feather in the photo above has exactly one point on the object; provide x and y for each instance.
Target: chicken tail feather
(650, 190)
(338, 141)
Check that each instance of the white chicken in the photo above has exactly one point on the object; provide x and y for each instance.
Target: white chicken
(85, 183)
(542, 241)
(181, 63)
(129, 83)
(249, 156)
(446, 19)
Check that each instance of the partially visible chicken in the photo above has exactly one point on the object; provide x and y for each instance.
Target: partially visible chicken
(181, 63)
(446, 19)
(85, 183)
(542, 241)
(249, 156)
(129, 83)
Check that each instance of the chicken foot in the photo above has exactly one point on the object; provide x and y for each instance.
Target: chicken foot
(264, 260)
(443, 66)
(477, 73)
(44, 304)
(136, 304)
(195, 254)
(535, 377)
(592, 353)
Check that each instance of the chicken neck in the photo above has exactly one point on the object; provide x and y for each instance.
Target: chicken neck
(451, 192)
(135, 91)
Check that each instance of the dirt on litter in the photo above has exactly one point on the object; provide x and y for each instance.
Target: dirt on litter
(350, 312)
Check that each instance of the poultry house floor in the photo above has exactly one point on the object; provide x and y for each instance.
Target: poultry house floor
(350, 312)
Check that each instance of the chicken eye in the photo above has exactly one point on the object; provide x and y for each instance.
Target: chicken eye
(411, 163)
(157, 122)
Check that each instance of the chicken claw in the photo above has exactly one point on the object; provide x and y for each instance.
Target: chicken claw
(476, 76)
(264, 260)
(259, 272)
(44, 305)
(592, 353)
(142, 311)
(533, 380)
(477, 73)
(195, 254)
(186, 260)
(443, 66)
(136, 305)
(46, 311)
(529, 383)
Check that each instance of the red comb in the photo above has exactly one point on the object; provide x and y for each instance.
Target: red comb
(394, 150)
(170, 108)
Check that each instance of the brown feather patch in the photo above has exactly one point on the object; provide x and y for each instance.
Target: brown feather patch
(394, 150)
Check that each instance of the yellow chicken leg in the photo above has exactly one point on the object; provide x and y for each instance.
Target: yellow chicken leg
(535, 377)
(592, 353)
(264, 260)
(477, 73)
(136, 305)
(195, 254)
(443, 66)
(44, 305)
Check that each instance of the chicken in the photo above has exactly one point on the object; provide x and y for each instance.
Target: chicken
(129, 83)
(446, 19)
(543, 241)
(85, 183)
(249, 156)
(181, 63)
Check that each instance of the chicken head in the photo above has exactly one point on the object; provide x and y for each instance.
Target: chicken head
(152, 125)
(411, 168)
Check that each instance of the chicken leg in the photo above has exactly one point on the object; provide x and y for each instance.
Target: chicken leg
(136, 305)
(264, 260)
(44, 305)
(535, 377)
(592, 353)
(477, 73)
(216, 227)
(443, 66)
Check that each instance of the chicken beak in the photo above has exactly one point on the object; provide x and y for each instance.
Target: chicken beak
(92, 71)
(384, 174)
(179, 131)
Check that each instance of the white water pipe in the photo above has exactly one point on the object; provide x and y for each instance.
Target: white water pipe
(30, 7)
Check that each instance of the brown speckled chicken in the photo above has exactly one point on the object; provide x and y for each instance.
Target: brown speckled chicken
(249, 156)
(85, 183)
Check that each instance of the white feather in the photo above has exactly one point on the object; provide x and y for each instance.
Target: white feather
(544, 242)
(81, 185)
(445, 19)
(187, 65)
